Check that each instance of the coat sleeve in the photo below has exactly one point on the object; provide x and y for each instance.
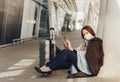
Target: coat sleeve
(101, 54)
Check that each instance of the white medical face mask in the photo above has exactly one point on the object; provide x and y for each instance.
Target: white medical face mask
(88, 36)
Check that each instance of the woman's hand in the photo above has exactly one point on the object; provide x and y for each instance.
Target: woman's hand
(67, 44)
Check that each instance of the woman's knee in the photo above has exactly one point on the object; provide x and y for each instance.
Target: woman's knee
(66, 50)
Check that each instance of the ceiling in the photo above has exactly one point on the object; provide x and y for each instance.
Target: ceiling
(81, 5)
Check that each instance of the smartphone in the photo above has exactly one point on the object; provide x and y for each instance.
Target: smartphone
(65, 38)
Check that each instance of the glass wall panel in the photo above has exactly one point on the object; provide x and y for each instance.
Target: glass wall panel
(11, 24)
(2, 6)
(13, 20)
(44, 22)
(45, 1)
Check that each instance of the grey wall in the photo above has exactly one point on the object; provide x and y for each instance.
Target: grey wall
(111, 39)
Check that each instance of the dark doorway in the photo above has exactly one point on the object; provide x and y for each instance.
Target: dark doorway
(66, 25)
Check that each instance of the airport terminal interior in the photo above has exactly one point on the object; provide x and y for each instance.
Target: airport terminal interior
(30, 30)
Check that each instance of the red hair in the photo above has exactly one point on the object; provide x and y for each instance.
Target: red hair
(89, 29)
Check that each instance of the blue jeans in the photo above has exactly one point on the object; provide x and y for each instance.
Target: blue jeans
(63, 60)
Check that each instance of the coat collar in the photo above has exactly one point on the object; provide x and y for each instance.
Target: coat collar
(96, 39)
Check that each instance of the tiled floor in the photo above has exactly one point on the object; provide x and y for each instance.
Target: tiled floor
(17, 63)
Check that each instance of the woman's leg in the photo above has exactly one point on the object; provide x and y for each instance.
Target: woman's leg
(45, 68)
(63, 60)
(56, 57)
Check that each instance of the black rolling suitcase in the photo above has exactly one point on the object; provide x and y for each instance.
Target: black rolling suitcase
(48, 50)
